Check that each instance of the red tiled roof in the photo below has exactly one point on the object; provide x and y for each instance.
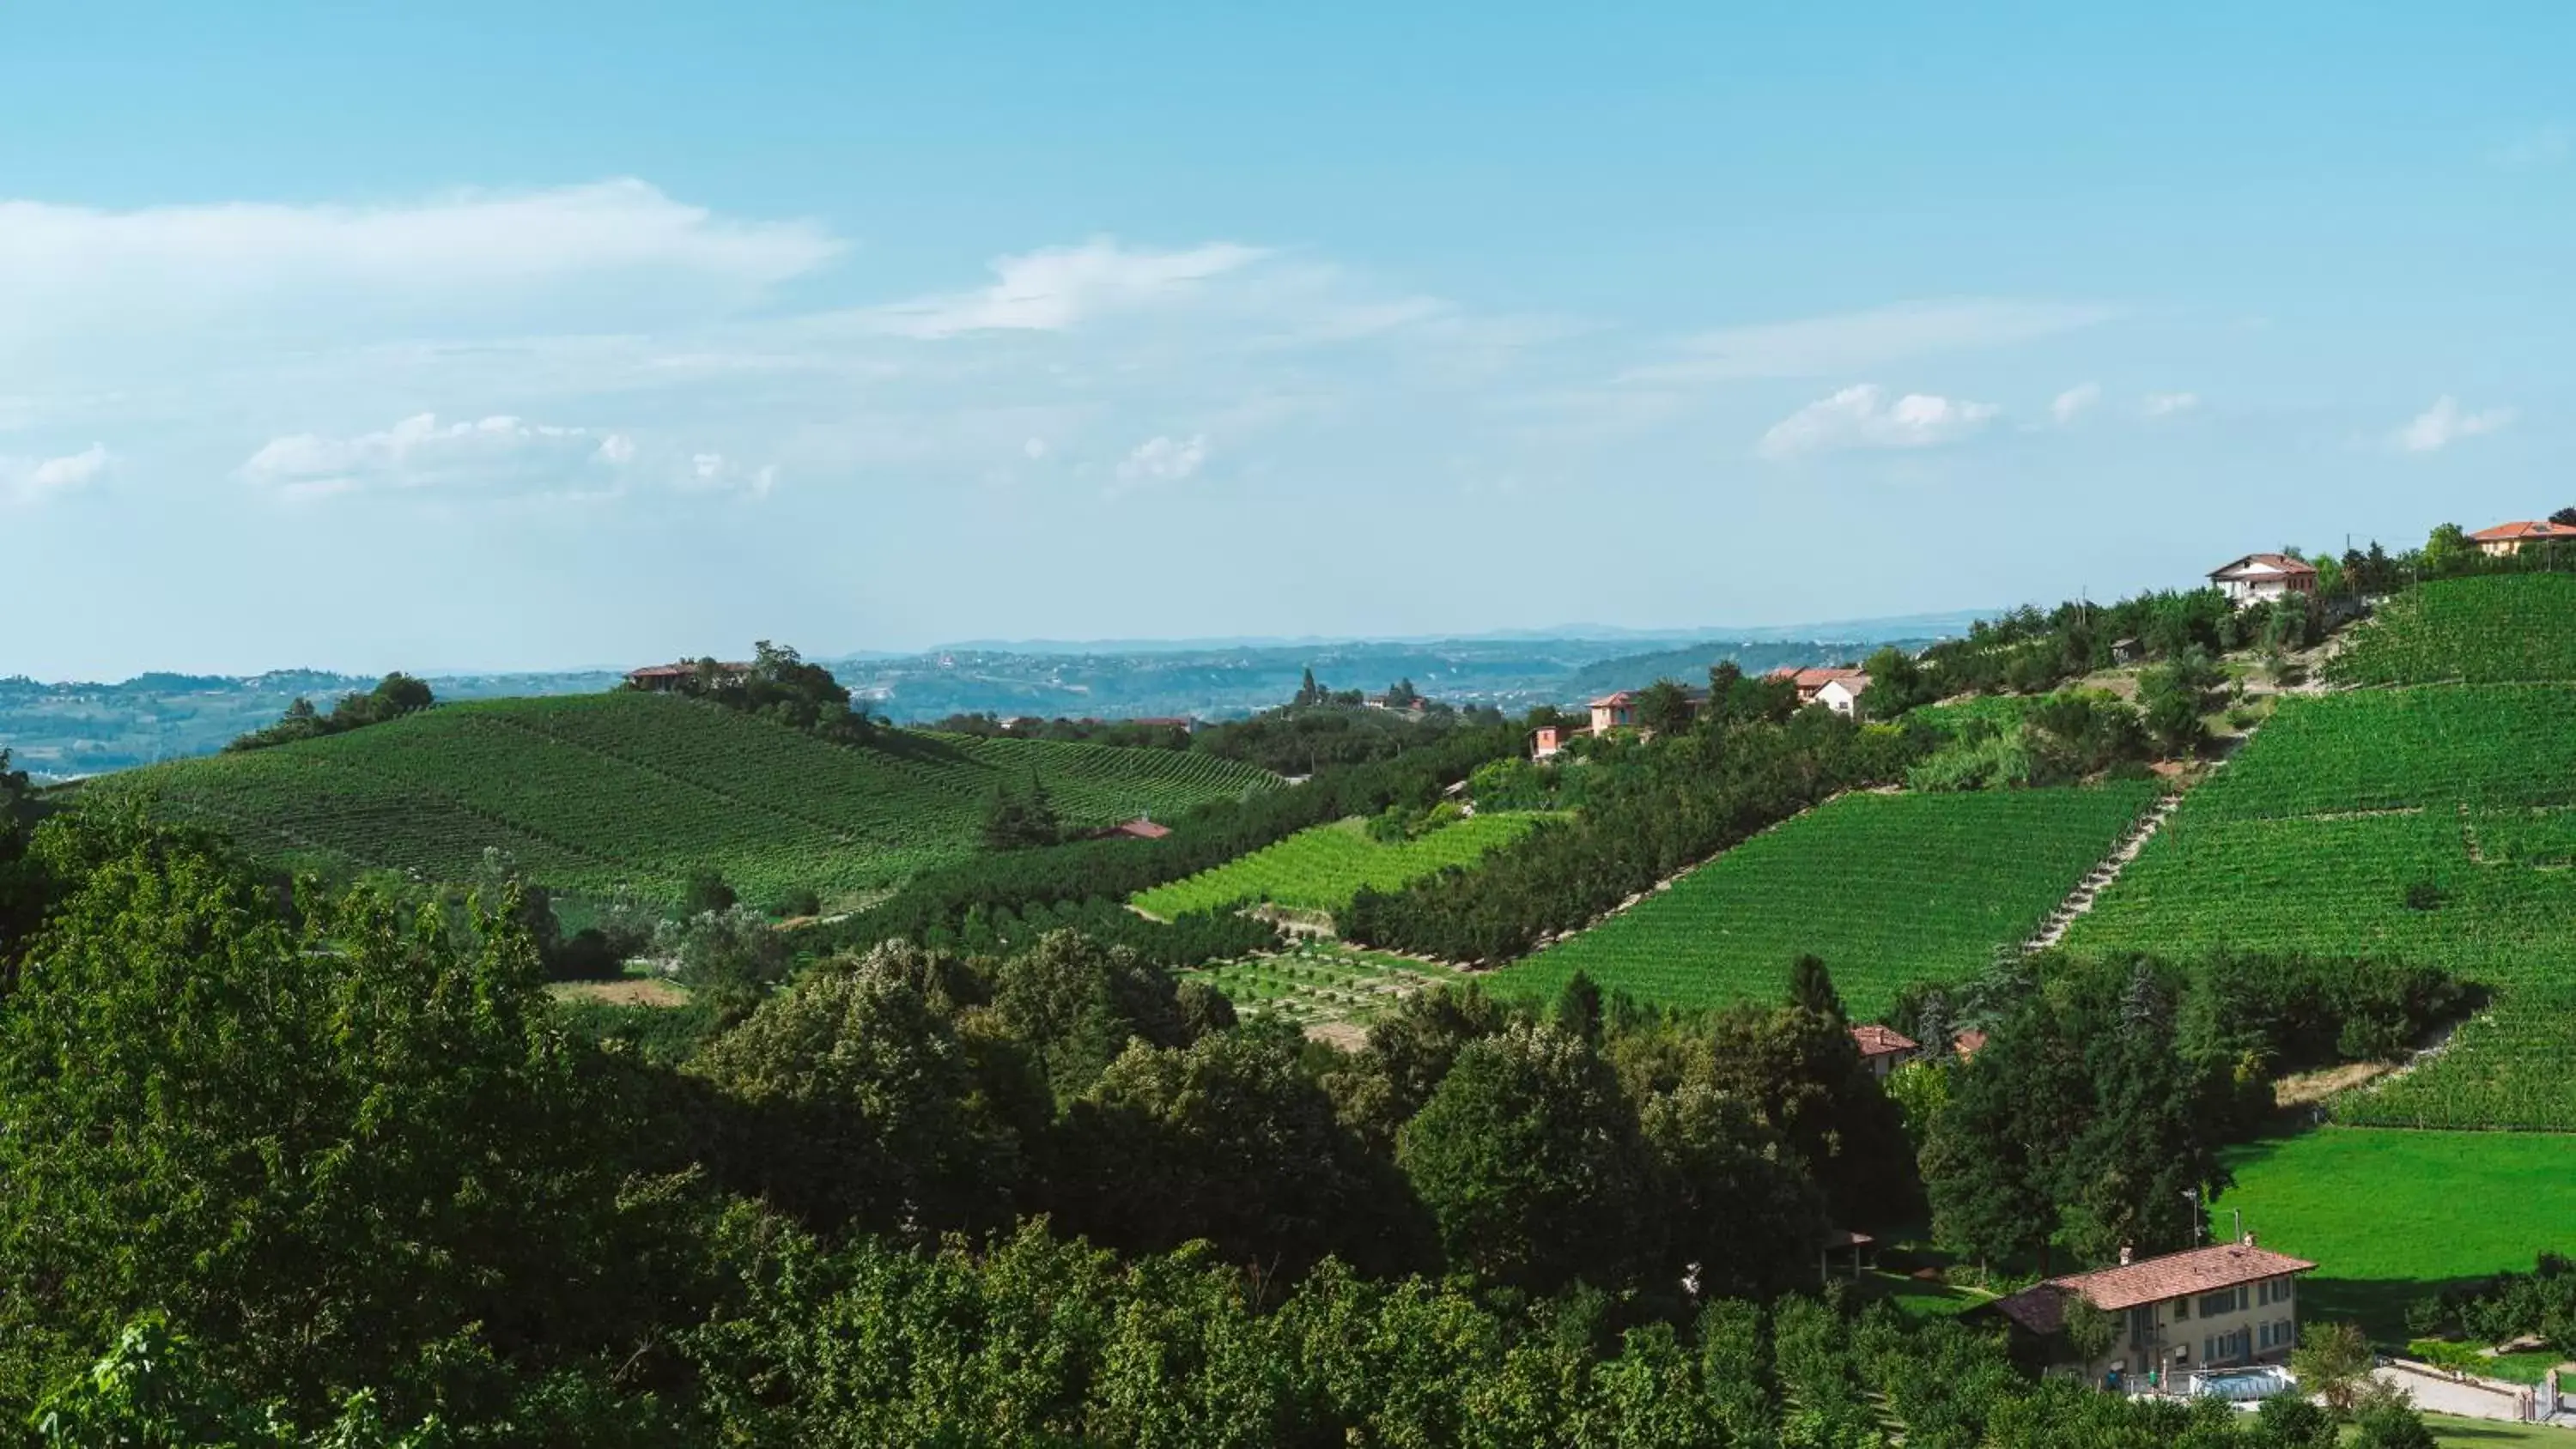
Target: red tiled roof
(2533, 528)
(1613, 701)
(1142, 829)
(1968, 1043)
(2277, 562)
(1879, 1041)
(2041, 1307)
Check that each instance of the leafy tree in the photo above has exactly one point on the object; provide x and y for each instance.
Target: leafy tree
(1529, 1160)
(1308, 691)
(1409, 1053)
(1665, 708)
(1228, 1140)
(343, 1153)
(1811, 988)
(2090, 1331)
(706, 891)
(1021, 819)
(1578, 1009)
(852, 1101)
(1737, 1210)
(2564, 518)
(730, 960)
(1802, 1072)
(1075, 1005)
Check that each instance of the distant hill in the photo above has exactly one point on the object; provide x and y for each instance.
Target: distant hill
(595, 792)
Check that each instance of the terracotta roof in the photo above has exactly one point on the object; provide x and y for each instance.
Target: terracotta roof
(1879, 1041)
(1613, 701)
(1141, 829)
(2503, 532)
(1968, 1043)
(2041, 1308)
(2279, 563)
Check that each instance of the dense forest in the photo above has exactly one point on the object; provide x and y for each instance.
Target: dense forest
(286, 1166)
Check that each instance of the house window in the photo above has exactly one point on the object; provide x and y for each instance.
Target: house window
(2214, 1304)
(2182, 1310)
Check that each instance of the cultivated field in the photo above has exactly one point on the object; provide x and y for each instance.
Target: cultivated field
(2434, 824)
(1323, 981)
(1322, 868)
(2390, 1216)
(2484, 631)
(1888, 889)
(595, 792)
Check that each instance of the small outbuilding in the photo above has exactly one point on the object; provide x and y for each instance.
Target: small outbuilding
(1883, 1049)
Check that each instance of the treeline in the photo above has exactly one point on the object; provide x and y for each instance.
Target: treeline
(1649, 810)
(1099, 875)
(1127, 733)
(2093, 1116)
(394, 696)
(781, 687)
(1329, 730)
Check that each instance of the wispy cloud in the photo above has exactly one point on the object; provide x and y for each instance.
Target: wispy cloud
(36, 480)
(1863, 417)
(2167, 404)
(1849, 341)
(2445, 423)
(419, 452)
(1162, 460)
(1059, 287)
(2073, 403)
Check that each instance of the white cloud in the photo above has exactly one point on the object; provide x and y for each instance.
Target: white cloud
(67, 272)
(1820, 345)
(2075, 402)
(1862, 417)
(1163, 460)
(2168, 404)
(497, 452)
(714, 472)
(37, 480)
(2445, 423)
(1059, 287)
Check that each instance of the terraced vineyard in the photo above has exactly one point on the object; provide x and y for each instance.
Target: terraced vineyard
(2504, 629)
(2433, 823)
(2480, 745)
(1322, 868)
(1323, 981)
(593, 792)
(1888, 889)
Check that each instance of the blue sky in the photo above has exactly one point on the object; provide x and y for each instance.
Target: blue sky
(481, 336)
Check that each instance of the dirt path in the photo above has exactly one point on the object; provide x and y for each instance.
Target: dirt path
(2090, 889)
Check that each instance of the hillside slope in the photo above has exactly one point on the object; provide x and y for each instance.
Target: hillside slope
(2429, 821)
(597, 792)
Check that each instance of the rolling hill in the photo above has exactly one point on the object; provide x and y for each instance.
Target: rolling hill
(592, 793)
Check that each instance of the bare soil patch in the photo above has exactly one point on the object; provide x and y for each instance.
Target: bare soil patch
(628, 991)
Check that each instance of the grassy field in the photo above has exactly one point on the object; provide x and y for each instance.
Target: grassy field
(1323, 981)
(597, 792)
(1321, 869)
(2485, 1434)
(2389, 1216)
(1888, 889)
(2490, 630)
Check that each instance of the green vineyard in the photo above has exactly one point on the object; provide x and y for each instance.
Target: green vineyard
(1888, 889)
(596, 792)
(2485, 746)
(2436, 823)
(1321, 869)
(2499, 630)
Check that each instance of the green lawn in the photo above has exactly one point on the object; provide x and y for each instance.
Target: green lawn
(2483, 1434)
(2390, 1215)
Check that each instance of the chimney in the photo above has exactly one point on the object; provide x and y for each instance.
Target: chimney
(2124, 1255)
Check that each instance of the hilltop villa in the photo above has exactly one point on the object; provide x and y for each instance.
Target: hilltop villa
(1836, 689)
(2506, 539)
(2224, 1305)
(2259, 578)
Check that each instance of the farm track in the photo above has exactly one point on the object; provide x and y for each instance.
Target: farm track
(2088, 890)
